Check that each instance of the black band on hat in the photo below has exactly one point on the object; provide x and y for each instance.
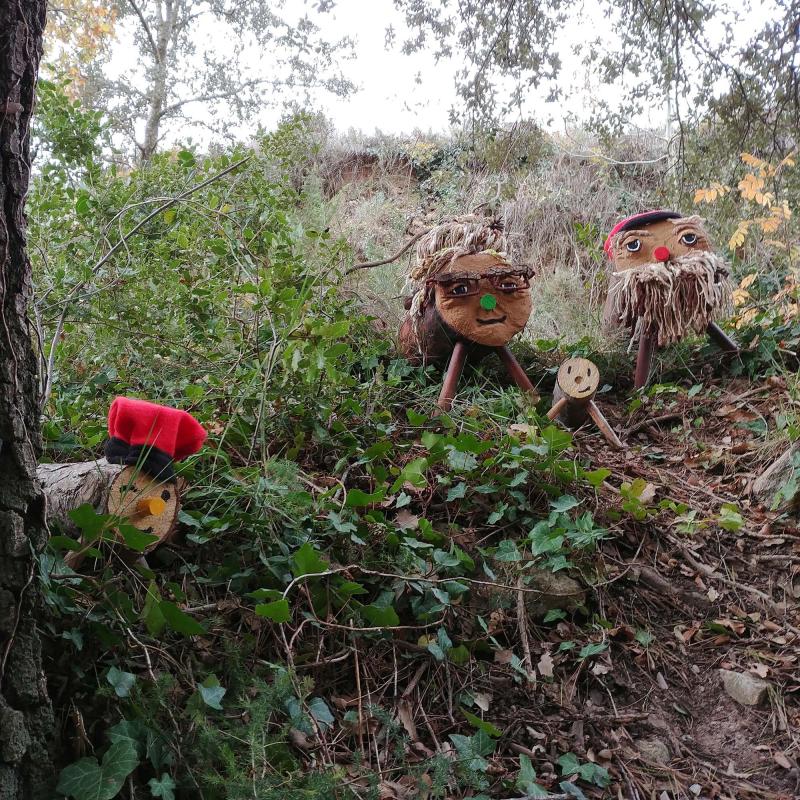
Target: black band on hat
(648, 218)
(156, 463)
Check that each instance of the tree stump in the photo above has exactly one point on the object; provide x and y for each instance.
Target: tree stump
(573, 398)
(151, 506)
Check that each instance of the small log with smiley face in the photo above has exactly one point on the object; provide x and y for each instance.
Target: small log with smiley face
(469, 302)
(667, 281)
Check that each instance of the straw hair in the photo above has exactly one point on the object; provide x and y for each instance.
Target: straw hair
(673, 298)
(454, 238)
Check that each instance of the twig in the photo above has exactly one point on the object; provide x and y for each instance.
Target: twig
(653, 421)
(370, 264)
(522, 625)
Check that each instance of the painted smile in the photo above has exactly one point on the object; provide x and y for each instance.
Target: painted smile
(494, 321)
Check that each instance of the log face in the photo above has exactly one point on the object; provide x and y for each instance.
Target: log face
(130, 495)
(148, 504)
(576, 383)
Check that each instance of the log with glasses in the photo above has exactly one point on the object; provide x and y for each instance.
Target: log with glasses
(467, 301)
(667, 282)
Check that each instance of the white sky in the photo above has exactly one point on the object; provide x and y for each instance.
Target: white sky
(391, 99)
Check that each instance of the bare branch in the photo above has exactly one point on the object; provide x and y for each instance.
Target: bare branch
(147, 30)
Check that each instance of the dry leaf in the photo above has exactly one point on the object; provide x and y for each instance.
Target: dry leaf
(781, 760)
(406, 520)
(545, 665)
(482, 700)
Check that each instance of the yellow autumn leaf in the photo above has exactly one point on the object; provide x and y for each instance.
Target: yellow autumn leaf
(740, 297)
(739, 235)
(750, 185)
(753, 161)
(748, 280)
(747, 316)
(769, 224)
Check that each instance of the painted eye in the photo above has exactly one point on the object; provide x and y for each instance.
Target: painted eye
(458, 290)
(689, 239)
(633, 246)
(508, 284)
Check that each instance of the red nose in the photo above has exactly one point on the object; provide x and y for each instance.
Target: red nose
(661, 254)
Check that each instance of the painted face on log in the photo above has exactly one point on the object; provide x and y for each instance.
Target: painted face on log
(483, 299)
(662, 241)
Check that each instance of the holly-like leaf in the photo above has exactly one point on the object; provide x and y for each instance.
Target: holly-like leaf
(88, 780)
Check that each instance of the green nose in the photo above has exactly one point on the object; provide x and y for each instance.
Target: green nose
(488, 302)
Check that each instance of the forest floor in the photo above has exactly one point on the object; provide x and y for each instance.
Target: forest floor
(654, 710)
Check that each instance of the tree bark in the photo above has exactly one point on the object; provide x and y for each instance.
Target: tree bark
(26, 721)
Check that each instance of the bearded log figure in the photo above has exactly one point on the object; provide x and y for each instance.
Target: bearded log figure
(468, 300)
(667, 282)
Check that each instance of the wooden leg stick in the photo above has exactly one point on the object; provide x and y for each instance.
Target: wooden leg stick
(557, 408)
(515, 370)
(721, 339)
(602, 423)
(643, 359)
(454, 369)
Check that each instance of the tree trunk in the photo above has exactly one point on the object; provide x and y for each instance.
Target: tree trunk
(158, 87)
(26, 721)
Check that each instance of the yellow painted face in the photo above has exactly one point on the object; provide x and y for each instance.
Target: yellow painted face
(666, 240)
(483, 299)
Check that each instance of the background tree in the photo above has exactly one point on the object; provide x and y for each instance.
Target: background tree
(25, 715)
(189, 52)
(688, 51)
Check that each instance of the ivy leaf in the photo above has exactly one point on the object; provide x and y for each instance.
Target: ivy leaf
(307, 561)
(481, 724)
(357, 498)
(180, 621)
(88, 780)
(121, 681)
(318, 709)
(457, 492)
(212, 695)
(277, 611)
(565, 503)
(137, 540)
(131, 731)
(163, 787)
(385, 617)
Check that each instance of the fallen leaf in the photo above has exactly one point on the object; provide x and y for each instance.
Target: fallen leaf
(482, 700)
(406, 520)
(781, 760)
(545, 666)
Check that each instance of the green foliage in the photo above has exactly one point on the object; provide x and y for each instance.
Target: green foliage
(88, 780)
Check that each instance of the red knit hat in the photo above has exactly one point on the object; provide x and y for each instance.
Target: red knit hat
(151, 435)
(644, 218)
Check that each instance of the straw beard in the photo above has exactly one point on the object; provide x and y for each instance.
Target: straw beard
(670, 299)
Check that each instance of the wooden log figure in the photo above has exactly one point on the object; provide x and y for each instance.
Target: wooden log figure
(573, 398)
(667, 281)
(468, 301)
(136, 481)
